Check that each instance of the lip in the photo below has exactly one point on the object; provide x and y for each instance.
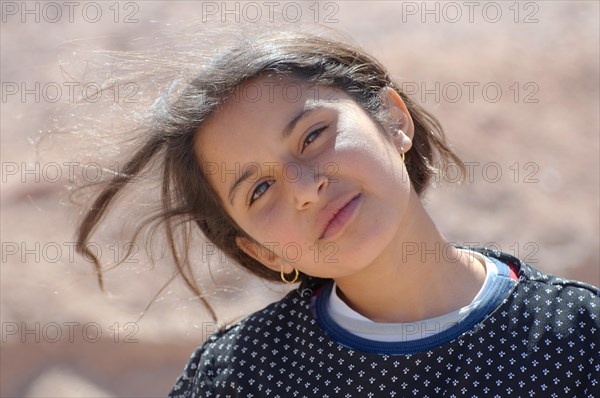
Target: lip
(337, 214)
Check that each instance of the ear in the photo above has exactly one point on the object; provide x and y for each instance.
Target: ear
(405, 128)
(262, 254)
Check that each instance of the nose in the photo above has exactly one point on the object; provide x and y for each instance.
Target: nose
(306, 183)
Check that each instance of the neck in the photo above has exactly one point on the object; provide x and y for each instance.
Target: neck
(414, 279)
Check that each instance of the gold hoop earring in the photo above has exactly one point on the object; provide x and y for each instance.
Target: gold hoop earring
(296, 274)
(402, 155)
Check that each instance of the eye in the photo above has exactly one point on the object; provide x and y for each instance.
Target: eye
(312, 136)
(260, 189)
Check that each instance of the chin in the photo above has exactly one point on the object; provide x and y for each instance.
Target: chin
(368, 245)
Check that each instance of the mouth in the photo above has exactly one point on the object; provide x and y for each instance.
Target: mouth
(337, 215)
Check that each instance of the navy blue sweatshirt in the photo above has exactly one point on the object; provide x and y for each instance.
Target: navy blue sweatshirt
(542, 340)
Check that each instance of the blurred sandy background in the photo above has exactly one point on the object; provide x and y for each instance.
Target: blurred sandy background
(62, 336)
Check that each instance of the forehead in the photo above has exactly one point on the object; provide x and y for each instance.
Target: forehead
(273, 94)
(260, 106)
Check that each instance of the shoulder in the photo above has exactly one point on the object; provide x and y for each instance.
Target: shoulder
(529, 273)
(550, 296)
(255, 338)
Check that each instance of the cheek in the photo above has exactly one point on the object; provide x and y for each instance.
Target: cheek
(362, 149)
(359, 132)
(272, 225)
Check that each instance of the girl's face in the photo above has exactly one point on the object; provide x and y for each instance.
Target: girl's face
(308, 175)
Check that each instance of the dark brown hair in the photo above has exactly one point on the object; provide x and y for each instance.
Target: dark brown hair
(187, 197)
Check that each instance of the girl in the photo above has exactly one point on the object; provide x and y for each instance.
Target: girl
(303, 161)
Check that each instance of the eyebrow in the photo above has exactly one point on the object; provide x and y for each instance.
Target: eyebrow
(285, 133)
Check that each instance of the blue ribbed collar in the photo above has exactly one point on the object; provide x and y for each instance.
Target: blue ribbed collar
(489, 303)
